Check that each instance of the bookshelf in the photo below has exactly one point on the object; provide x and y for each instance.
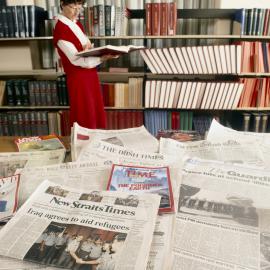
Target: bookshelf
(114, 77)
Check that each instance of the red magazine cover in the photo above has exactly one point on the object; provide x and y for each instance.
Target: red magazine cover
(136, 179)
(38, 143)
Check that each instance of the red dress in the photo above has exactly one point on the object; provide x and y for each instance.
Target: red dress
(85, 98)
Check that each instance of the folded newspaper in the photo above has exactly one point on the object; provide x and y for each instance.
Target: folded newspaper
(137, 138)
(12, 161)
(69, 228)
(232, 151)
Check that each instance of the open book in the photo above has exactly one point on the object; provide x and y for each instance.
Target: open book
(109, 49)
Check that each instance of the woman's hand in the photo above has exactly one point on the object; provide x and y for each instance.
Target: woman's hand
(107, 57)
(88, 46)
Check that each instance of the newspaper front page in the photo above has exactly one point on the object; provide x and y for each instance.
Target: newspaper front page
(135, 138)
(232, 150)
(10, 162)
(218, 131)
(218, 221)
(64, 227)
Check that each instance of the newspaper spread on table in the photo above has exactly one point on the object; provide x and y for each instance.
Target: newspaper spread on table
(218, 131)
(60, 226)
(9, 187)
(137, 138)
(234, 151)
(94, 175)
(12, 161)
(221, 221)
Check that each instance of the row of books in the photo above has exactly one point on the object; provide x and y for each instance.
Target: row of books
(156, 120)
(22, 21)
(256, 57)
(122, 95)
(105, 18)
(253, 21)
(124, 119)
(160, 18)
(256, 93)
(255, 122)
(192, 95)
(36, 93)
(186, 121)
(33, 123)
(218, 59)
(24, 123)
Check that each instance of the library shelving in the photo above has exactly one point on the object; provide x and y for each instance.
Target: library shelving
(39, 73)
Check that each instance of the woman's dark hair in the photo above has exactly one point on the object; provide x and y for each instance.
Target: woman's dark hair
(68, 2)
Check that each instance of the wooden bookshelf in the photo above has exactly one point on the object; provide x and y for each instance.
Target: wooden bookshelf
(225, 37)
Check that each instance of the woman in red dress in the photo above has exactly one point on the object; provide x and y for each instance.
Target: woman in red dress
(86, 104)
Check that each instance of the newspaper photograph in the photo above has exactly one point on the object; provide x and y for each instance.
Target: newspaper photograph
(134, 138)
(264, 221)
(9, 187)
(218, 220)
(218, 131)
(62, 227)
(39, 143)
(12, 161)
(232, 150)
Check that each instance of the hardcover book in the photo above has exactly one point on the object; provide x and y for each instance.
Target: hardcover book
(109, 49)
(144, 180)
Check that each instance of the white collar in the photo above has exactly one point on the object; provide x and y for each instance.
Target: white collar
(74, 28)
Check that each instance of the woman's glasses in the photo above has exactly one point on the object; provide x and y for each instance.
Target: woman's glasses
(76, 8)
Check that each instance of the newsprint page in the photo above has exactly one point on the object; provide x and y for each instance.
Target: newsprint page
(98, 228)
(221, 221)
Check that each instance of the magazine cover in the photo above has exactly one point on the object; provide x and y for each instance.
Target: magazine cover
(143, 180)
(180, 135)
(39, 143)
(8, 196)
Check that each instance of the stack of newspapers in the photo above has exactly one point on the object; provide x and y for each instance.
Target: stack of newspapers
(129, 201)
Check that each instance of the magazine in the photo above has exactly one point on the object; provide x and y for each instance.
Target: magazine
(69, 228)
(109, 50)
(39, 143)
(179, 135)
(8, 196)
(135, 180)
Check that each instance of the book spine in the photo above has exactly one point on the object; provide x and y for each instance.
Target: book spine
(156, 8)
(148, 15)
(17, 91)
(107, 10)
(10, 97)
